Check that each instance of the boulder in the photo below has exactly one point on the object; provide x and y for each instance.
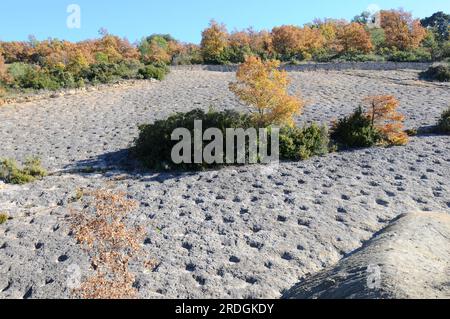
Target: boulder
(409, 259)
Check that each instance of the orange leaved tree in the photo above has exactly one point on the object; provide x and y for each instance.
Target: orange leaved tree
(354, 38)
(382, 110)
(263, 86)
(292, 41)
(401, 30)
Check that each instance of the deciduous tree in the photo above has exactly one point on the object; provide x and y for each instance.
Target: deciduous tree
(382, 110)
(401, 30)
(291, 41)
(214, 42)
(263, 87)
(354, 38)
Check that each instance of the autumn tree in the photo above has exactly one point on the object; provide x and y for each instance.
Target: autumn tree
(3, 70)
(401, 30)
(292, 41)
(262, 86)
(354, 38)
(214, 42)
(239, 46)
(156, 49)
(382, 111)
(15, 51)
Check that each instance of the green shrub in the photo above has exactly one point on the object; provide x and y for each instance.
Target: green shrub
(444, 122)
(65, 79)
(3, 218)
(101, 72)
(154, 145)
(29, 76)
(356, 57)
(154, 72)
(355, 131)
(417, 55)
(129, 69)
(11, 173)
(439, 73)
(302, 143)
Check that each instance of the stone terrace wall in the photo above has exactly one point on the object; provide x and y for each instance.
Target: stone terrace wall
(376, 66)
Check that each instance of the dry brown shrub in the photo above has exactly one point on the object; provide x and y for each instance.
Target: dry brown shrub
(101, 228)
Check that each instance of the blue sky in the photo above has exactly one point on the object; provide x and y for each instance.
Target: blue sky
(184, 19)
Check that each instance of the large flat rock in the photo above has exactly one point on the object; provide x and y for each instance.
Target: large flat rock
(408, 259)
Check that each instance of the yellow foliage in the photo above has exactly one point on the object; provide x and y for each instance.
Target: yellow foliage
(262, 86)
(214, 41)
(291, 40)
(382, 110)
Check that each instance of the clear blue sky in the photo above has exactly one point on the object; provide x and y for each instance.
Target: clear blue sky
(184, 19)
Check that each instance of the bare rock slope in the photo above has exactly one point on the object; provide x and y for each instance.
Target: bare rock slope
(408, 259)
(240, 232)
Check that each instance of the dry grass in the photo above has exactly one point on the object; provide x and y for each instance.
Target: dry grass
(102, 230)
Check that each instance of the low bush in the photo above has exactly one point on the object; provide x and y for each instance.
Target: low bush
(440, 73)
(417, 55)
(29, 76)
(129, 69)
(154, 72)
(379, 124)
(3, 218)
(154, 145)
(101, 72)
(359, 58)
(303, 143)
(12, 173)
(355, 131)
(444, 122)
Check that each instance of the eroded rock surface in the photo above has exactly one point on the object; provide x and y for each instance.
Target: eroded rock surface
(410, 259)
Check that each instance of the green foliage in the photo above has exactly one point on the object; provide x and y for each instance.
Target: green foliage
(101, 72)
(154, 145)
(439, 24)
(378, 37)
(440, 73)
(11, 173)
(417, 55)
(154, 72)
(349, 57)
(324, 55)
(3, 218)
(111, 72)
(354, 131)
(444, 122)
(302, 143)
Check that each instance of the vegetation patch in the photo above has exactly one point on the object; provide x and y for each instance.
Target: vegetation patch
(3, 218)
(379, 123)
(103, 230)
(302, 143)
(12, 173)
(444, 122)
(440, 73)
